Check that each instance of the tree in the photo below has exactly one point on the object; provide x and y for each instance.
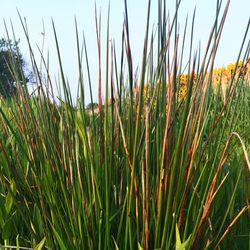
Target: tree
(12, 68)
(91, 105)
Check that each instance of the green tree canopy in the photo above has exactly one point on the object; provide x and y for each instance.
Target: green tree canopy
(12, 68)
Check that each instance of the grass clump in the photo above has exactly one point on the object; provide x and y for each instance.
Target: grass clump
(148, 170)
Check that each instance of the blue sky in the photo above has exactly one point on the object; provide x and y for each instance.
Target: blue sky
(63, 12)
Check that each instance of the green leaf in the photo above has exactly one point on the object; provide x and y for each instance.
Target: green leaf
(116, 246)
(40, 245)
(13, 186)
(139, 246)
(178, 244)
(178, 238)
(8, 203)
(38, 219)
(2, 217)
(7, 229)
(59, 239)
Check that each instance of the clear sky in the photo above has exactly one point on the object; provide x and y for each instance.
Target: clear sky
(63, 12)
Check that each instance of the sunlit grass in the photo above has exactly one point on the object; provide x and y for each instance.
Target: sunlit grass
(150, 169)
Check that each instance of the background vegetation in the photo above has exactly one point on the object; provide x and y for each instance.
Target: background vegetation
(10, 55)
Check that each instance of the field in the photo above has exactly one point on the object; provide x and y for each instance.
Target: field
(161, 162)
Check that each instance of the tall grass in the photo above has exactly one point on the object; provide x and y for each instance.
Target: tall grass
(148, 170)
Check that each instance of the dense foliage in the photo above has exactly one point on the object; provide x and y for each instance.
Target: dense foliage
(10, 55)
(147, 168)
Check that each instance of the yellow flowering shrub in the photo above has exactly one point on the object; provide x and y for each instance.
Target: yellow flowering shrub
(221, 76)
